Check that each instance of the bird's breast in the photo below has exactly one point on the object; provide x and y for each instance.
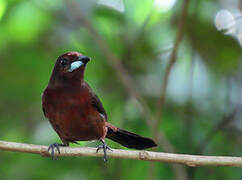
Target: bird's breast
(72, 115)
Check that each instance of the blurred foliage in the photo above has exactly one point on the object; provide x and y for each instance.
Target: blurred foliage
(224, 57)
(34, 33)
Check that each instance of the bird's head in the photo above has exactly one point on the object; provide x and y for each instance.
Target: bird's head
(69, 67)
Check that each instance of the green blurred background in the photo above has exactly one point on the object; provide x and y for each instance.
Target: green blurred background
(201, 114)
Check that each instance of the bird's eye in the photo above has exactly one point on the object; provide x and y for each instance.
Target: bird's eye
(63, 62)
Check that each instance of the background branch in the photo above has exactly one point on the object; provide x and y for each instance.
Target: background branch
(189, 160)
(171, 62)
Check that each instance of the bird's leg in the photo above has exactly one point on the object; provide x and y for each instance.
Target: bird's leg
(104, 146)
(56, 146)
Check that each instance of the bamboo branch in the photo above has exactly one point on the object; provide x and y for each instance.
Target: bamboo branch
(189, 160)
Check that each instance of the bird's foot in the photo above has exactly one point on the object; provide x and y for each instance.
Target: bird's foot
(52, 148)
(105, 147)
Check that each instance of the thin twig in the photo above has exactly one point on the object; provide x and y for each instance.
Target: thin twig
(189, 160)
(171, 62)
(227, 119)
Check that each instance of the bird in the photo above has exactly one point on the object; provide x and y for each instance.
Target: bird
(75, 111)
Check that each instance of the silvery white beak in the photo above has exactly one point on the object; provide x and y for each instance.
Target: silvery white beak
(75, 65)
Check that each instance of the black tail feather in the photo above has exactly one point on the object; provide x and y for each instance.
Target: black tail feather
(130, 140)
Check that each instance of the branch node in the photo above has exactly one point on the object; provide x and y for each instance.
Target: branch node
(44, 152)
(143, 155)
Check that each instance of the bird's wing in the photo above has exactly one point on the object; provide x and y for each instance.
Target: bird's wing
(98, 105)
(44, 102)
(44, 111)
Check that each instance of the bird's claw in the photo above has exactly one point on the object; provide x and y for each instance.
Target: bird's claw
(52, 148)
(105, 148)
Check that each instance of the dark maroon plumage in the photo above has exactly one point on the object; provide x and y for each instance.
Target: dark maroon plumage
(76, 113)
